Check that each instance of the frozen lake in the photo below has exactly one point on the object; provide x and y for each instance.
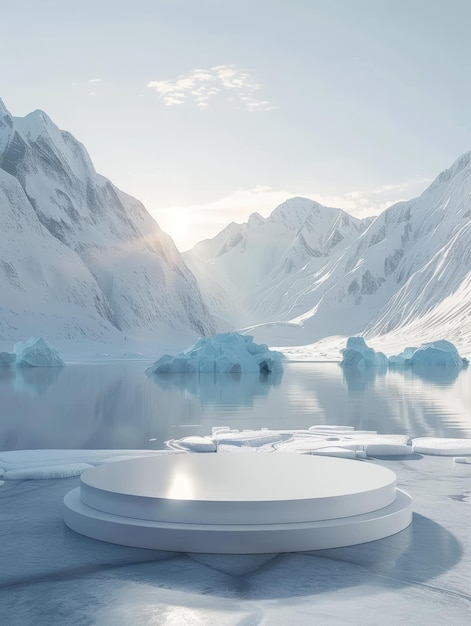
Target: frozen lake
(117, 406)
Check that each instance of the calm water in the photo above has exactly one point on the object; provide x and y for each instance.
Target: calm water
(118, 406)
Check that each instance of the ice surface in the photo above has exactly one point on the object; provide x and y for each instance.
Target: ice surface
(358, 354)
(50, 574)
(42, 472)
(223, 353)
(36, 353)
(42, 464)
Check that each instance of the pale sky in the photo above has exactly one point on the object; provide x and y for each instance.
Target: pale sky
(209, 110)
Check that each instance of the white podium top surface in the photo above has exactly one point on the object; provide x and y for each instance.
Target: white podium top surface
(243, 477)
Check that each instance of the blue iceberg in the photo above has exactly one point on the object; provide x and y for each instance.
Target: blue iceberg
(224, 353)
(358, 354)
(36, 353)
(439, 352)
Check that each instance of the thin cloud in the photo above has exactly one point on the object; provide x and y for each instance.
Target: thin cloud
(202, 85)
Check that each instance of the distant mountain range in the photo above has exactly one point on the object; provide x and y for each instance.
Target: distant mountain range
(308, 271)
(79, 259)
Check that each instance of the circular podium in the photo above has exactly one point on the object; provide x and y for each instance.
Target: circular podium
(241, 503)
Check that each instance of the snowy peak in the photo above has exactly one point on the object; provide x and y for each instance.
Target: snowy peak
(35, 124)
(248, 260)
(3, 108)
(255, 220)
(460, 165)
(5, 116)
(6, 126)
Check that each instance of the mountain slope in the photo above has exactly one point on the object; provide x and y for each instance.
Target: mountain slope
(112, 245)
(246, 269)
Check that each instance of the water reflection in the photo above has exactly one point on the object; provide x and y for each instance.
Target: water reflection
(358, 379)
(118, 406)
(6, 375)
(221, 389)
(436, 374)
(35, 380)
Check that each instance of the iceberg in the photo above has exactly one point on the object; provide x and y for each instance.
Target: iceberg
(358, 354)
(36, 353)
(402, 359)
(224, 353)
(440, 352)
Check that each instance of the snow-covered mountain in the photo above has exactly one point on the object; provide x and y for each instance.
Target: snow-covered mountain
(82, 261)
(246, 270)
(78, 257)
(407, 272)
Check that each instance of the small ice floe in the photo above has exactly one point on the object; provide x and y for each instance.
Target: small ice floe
(327, 428)
(47, 464)
(32, 353)
(441, 446)
(253, 438)
(193, 444)
(358, 354)
(343, 453)
(388, 449)
(465, 460)
(231, 353)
